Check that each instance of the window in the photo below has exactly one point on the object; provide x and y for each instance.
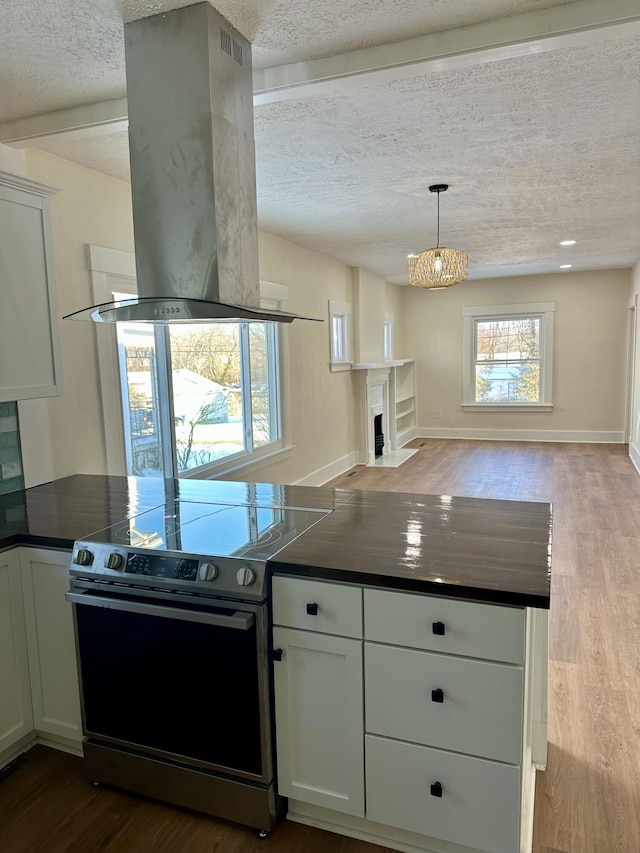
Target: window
(193, 395)
(340, 334)
(190, 400)
(508, 353)
(196, 394)
(388, 337)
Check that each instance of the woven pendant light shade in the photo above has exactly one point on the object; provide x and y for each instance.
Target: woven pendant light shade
(438, 268)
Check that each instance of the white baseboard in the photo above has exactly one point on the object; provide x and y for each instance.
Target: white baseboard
(407, 435)
(634, 455)
(367, 830)
(568, 435)
(73, 747)
(329, 472)
(16, 749)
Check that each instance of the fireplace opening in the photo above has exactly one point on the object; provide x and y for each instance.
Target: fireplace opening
(378, 435)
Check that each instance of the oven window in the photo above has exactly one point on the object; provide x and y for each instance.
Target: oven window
(172, 685)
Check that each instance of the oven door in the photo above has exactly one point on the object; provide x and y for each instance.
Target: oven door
(175, 677)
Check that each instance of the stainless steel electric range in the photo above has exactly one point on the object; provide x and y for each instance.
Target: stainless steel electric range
(170, 611)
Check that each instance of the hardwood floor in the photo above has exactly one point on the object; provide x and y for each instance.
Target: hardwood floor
(588, 800)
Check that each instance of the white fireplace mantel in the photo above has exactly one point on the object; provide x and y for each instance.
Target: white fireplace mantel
(378, 398)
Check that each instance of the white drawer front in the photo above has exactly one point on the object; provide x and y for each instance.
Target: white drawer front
(470, 629)
(480, 801)
(480, 712)
(327, 608)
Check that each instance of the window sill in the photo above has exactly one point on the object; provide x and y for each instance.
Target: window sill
(338, 366)
(507, 407)
(244, 464)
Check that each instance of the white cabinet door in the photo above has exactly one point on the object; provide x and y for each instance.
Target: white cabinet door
(16, 719)
(319, 724)
(30, 362)
(51, 643)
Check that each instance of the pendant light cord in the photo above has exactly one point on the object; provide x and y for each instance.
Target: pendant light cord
(438, 240)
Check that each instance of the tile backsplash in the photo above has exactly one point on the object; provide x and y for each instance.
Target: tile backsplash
(11, 478)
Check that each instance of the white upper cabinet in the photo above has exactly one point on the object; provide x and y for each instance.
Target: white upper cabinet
(30, 362)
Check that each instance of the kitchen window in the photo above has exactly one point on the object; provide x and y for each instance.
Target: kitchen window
(508, 357)
(188, 400)
(194, 395)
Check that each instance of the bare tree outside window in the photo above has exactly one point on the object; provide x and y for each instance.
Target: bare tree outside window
(508, 360)
(221, 382)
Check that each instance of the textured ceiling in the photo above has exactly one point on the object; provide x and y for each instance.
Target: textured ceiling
(536, 149)
(284, 31)
(59, 53)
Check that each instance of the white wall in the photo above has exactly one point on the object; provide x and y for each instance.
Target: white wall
(13, 160)
(65, 435)
(369, 306)
(590, 337)
(90, 208)
(321, 402)
(634, 402)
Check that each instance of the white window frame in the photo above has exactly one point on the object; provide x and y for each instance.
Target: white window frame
(112, 271)
(340, 348)
(542, 310)
(387, 339)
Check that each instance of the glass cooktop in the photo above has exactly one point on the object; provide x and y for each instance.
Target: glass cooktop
(252, 531)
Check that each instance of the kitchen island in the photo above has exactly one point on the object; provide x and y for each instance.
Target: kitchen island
(408, 629)
(486, 550)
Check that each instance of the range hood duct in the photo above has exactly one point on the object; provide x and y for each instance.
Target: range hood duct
(193, 174)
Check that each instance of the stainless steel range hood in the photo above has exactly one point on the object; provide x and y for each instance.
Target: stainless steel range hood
(193, 178)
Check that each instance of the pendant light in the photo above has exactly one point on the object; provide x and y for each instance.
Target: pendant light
(438, 268)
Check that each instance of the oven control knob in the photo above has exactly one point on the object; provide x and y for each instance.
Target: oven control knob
(114, 561)
(83, 557)
(208, 572)
(246, 576)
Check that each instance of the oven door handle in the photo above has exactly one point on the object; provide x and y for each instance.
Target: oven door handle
(239, 620)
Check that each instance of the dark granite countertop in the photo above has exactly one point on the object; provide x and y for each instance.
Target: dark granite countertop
(474, 548)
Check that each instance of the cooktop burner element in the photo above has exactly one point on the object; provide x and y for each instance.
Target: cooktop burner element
(217, 549)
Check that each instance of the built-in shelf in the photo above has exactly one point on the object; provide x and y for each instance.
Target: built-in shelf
(404, 394)
(404, 411)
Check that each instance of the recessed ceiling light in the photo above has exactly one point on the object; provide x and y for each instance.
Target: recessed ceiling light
(567, 242)
(565, 266)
